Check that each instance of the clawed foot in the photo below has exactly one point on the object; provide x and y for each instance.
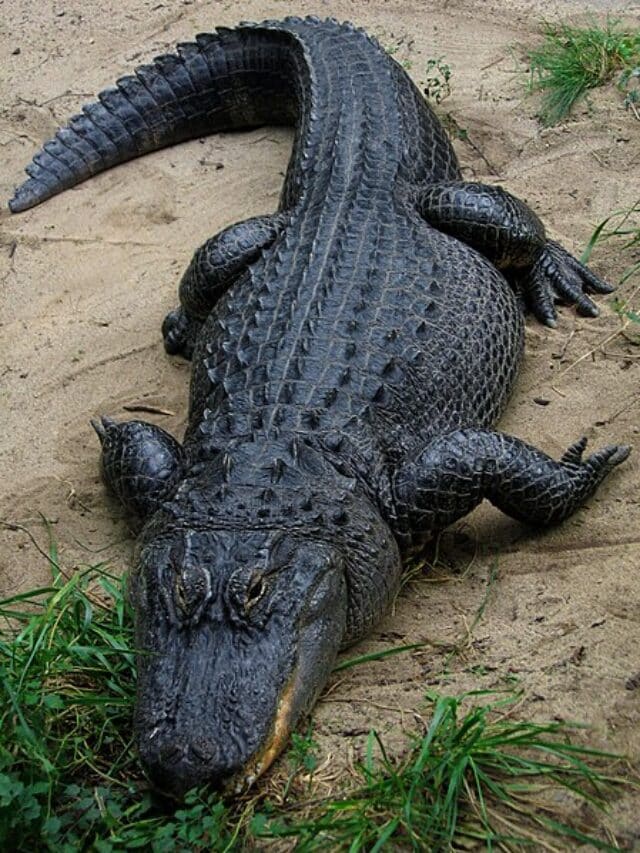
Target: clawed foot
(558, 276)
(141, 463)
(600, 463)
(179, 332)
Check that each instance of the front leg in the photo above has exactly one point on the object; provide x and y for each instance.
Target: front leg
(141, 464)
(213, 269)
(512, 237)
(458, 470)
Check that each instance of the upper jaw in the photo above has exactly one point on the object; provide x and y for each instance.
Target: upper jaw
(177, 761)
(177, 767)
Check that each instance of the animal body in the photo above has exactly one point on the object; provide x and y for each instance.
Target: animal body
(351, 353)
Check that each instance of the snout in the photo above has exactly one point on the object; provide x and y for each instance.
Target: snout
(174, 765)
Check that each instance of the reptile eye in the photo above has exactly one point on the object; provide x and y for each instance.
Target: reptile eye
(181, 593)
(192, 592)
(255, 590)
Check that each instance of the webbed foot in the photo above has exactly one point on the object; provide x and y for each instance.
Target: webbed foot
(512, 237)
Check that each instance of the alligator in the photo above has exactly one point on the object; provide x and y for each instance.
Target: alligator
(351, 353)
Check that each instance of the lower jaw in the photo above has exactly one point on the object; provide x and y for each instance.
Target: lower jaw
(264, 758)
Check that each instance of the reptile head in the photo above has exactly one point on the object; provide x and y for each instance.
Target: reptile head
(237, 632)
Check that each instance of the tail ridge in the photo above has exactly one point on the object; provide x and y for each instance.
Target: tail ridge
(230, 79)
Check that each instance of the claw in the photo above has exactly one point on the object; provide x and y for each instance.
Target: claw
(99, 429)
(539, 298)
(586, 308)
(178, 330)
(618, 454)
(558, 275)
(573, 453)
(102, 427)
(592, 282)
(608, 457)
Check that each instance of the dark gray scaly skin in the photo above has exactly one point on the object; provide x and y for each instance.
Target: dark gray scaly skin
(351, 353)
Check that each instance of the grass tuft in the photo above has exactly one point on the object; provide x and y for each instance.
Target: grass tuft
(573, 60)
(475, 776)
(623, 227)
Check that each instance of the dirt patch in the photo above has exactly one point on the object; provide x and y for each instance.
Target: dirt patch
(87, 278)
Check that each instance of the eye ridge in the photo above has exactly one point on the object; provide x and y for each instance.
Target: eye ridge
(191, 593)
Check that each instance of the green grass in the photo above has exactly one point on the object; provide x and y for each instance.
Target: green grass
(438, 80)
(574, 59)
(70, 780)
(623, 228)
(475, 775)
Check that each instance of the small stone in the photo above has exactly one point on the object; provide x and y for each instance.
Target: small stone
(541, 401)
(633, 682)
(15, 51)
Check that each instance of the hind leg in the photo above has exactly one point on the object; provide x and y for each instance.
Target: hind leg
(455, 472)
(512, 237)
(214, 267)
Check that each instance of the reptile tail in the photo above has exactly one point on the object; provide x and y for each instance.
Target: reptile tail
(223, 81)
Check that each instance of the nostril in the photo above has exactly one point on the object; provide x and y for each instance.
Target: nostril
(173, 752)
(204, 751)
(175, 764)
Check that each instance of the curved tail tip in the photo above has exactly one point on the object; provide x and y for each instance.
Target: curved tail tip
(23, 198)
(29, 194)
(15, 204)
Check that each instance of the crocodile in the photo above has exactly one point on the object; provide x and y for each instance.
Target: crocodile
(351, 353)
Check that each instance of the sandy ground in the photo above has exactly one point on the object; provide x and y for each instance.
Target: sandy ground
(87, 278)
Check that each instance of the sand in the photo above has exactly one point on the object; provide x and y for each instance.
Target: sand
(88, 276)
